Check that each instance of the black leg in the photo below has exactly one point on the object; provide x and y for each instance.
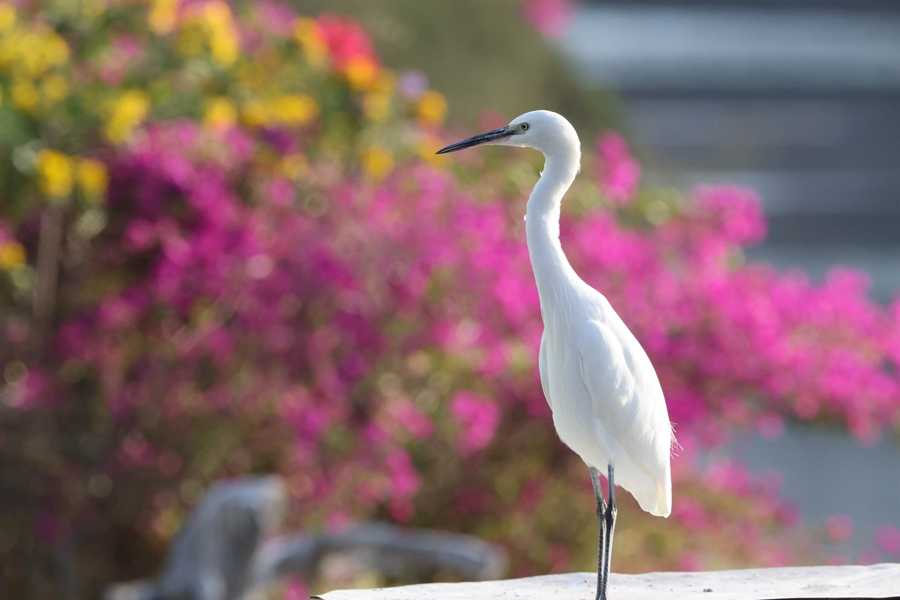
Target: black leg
(603, 546)
(609, 518)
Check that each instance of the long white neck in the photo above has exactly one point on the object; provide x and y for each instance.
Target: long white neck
(553, 274)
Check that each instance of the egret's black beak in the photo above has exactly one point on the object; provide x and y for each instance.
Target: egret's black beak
(485, 138)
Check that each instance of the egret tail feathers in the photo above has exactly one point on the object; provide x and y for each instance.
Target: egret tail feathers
(662, 502)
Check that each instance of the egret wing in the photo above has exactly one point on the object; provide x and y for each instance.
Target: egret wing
(542, 365)
(625, 395)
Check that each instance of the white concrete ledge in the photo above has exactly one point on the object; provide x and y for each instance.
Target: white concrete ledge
(876, 581)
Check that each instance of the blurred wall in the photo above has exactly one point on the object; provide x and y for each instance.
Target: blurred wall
(797, 99)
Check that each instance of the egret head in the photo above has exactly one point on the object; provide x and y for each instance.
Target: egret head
(539, 129)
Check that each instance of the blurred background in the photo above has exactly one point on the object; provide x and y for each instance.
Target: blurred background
(228, 250)
(795, 99)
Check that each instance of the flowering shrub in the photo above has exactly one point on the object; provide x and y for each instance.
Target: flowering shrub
(550, 17)
(620, 173)
(261, 266)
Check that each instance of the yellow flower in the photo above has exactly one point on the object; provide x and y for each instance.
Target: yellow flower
(221, 113)
(426, 148)
(7, 16)
(214, 25)
(432, 107)
(54, 171)
(55, 88)
(361, 73)
(377, 161)
(309, 35)
(386, 82)
(31, 52)
(55, 49)
(125, 114)
(217, 14)
(293, 109)
(92, 176)
(12, 255)
(294, 166)
(253, 113)
(162, 16)
(224, 47)
(376, 106)
(27, 52)
(25, 95)
(223, 43)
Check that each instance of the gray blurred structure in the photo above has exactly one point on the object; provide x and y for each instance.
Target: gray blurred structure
(227, 549)
(808, 459)
(795, 98)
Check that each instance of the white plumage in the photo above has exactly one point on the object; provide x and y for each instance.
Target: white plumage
(606, 399)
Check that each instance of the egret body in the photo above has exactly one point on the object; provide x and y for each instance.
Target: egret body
(606, 399)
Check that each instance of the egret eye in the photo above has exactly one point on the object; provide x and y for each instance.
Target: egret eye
(524, 126)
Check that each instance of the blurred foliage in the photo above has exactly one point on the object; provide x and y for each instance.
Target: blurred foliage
(227, 247)
(484, 56)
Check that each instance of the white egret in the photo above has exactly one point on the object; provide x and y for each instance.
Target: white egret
(606, 399)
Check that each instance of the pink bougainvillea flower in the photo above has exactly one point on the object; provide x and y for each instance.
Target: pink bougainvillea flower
(888, 539)
(840, 527)
(479, 418)
(295, 589)
(550, 17)
(350, 49)
(736, 212)
(619, 172)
